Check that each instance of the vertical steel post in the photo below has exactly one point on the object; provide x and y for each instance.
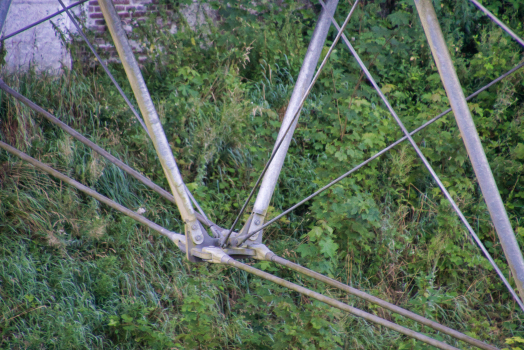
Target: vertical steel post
(4, 9)
(307, 71)
(471, 139)
(194, 230)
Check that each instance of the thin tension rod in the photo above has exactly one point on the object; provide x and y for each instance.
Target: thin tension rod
(310, 87)
(372, 299)
(78, 136)
(81, 32)
(429, 167)
(499, 22)
(335, 303)
(178, 238)
(378, 154)
(175, 237)
(5, 37)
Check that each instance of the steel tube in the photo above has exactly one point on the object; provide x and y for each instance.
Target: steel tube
(148, 110)
(81, 32)
(337, 304)
(51, 118)
(171, 235)
(307, 71)
(382, 303)
(303, 99)
(499, 22)
(472, 141)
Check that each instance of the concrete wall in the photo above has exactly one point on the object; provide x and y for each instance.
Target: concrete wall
(39, 47)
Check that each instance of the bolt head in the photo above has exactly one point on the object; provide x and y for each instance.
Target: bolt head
(194, 227)
(198, 237)
(257, 222)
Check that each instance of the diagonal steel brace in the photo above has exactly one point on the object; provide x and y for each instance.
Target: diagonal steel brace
(195, 233)
(471, 139)
(307, 71)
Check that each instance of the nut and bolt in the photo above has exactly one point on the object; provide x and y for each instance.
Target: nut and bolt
(194, 227)
(257, 222)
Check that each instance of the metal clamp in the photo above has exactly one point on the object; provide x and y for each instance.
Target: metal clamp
(195, 232)
(261, 251)
(256, 222)
(217, 255)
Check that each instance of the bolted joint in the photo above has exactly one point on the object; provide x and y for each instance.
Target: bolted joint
(217, 255)
(194, 231)
(261, 251)
(256, 222)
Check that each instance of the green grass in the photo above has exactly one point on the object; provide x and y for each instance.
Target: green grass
(75, 274)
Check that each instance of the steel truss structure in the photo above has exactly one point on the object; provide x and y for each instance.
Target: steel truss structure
(220, 245)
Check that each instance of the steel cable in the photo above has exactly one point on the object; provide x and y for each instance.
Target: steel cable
(176, 237)
(5, 37)
(376, 155)
(421, 156)
(275, 149)
(499, 22)
(121, 92)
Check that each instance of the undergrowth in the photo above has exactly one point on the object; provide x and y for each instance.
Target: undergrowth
(75, 274)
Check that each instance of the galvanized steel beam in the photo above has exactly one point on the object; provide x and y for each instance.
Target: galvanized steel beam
(472, 141)
(428, 166)
(379, 153)
(380, 302)
(195, 232)
(303, 81)
(101, 62)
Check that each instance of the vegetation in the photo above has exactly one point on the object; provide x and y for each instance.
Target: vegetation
(75, 274)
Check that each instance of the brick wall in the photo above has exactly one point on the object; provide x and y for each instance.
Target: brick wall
(128, 10)
(132, 12)
(41, 48)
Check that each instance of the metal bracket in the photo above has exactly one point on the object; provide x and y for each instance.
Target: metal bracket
(254, 221)
(197, 237)
(195, 232)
